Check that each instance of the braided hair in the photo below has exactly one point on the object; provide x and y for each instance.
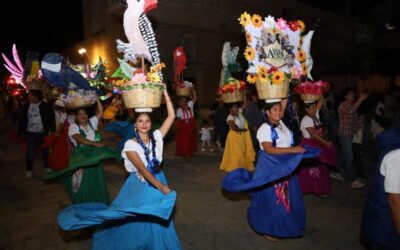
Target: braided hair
(153, 164)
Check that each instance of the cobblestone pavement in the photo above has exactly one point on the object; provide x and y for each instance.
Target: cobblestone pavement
(205, 216)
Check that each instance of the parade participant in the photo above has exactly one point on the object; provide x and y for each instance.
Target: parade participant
(113, 109)
(239, 152)
(140, 215)
(186, 142)
(276, 209)
(36, 121)
(83, 179)
(313, 175)
(380, 228)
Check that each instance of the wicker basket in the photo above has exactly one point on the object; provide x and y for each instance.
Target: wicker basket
(310, 97)
(142, 98)
(79, 102)
(267, 90)
(235, 96)
(185, 91)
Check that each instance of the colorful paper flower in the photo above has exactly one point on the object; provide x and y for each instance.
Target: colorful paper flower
(278, 77)
(262, 70)
(245, 19)
(301, 55)
(262, 77)
(282, 24)
(153, 77)
(301, 25)
(293, 25)
(248, 38)
(304, 69)
(269, 22)
(256, 20)
(249, 54)
(251, 78)
(139, 78)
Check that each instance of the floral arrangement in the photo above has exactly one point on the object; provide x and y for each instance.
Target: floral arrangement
(277, 50)
(312, 88)
(88, 96)
(185, 84)
(140, 79)
(231, 85)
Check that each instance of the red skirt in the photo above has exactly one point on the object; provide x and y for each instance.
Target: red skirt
(186, 142)
(60, 150)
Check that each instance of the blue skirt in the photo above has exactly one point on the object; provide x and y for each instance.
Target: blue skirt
(138, 218)
(265, 214)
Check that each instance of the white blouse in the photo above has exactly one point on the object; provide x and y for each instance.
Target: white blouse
(90, 133)
(307, 122)
(188, 113)
(284, 134)
(133, 146)
(238, 120)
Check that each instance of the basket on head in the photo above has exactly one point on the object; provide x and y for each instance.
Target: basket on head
(142, 98)
(79, 102)
(235, 96)
(309, 97)
(267, 90)
(185, 91)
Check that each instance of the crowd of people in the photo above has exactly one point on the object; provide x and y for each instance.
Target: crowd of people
(255, 138)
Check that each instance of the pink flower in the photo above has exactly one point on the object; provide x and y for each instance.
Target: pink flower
(139, 78)
(282, 24)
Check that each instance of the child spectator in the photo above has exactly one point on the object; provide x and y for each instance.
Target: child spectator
(206, 136)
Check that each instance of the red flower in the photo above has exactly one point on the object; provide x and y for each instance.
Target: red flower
(272, 70)
(293, 25)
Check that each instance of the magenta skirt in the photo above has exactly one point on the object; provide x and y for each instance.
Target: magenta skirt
(313, 174)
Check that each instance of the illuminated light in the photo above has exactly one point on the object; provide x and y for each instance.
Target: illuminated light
(82, 51)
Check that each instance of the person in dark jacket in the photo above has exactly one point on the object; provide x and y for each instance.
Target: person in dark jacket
(35, 122)
(380, 222)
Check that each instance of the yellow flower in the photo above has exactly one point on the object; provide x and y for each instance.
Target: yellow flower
(251, 78)
(304, 69)
(262, 77)
(153, 77)
(301, 25)
(278, 77)
(257, 21)
(248, 38)
(249, 53)
(301, 55)
(245, 19)
(262, 70)
(157, 67)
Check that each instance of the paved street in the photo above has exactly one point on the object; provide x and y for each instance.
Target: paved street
(205, 216)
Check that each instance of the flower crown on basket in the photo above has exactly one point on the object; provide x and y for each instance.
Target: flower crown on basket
(311, 91)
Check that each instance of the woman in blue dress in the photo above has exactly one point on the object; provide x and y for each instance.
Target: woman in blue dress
(140, 215)
(276, 209)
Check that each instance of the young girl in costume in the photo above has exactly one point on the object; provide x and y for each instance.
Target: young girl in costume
(313, 175)
(186, 142)
(276, 209)
(140, 215)
(206, 136)
(83, 179)
(239, 152)
(113, 109)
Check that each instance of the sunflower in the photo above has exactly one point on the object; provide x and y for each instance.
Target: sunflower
(301, 55)
(249, 53)
(248, 38)
(262, 70)
(251, 78)
(245, 19)
(301, 25)
(262, 77)
(256, 20)
(278, 77)
(304, 69)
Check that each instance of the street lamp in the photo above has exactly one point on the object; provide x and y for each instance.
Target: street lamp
(82, 52)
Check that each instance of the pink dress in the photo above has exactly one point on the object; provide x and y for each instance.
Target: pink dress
(313, 173)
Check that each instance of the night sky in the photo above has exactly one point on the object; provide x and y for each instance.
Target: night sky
(30, 25)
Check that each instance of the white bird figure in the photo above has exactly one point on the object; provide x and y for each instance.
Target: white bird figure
(139, 32)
